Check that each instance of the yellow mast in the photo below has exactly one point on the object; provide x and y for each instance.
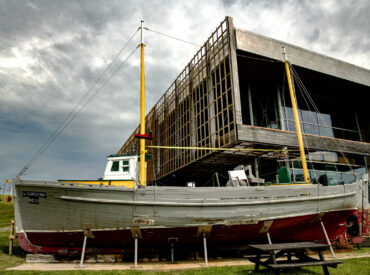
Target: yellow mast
(296, 118)
(142, 113)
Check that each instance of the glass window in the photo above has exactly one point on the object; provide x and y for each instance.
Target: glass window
(310, 129)
(115, 166)
(360, 171)
(316, 156)
(334, 178)
(289, 113)
(298, 174)
(308, 116)
(324, 120)
(125, 166)
(348, 177)
(330, 157)
(326, 131)
(297, 164)
(291, 126)
(330, 167)
(313, 176)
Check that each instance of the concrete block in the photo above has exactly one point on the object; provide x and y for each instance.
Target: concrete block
(40, 258)
(90, 259)
(119, 258)
(106, 258)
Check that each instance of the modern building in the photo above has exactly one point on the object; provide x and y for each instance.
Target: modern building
(234, 94)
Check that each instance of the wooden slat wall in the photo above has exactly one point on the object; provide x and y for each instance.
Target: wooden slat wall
(197, 110)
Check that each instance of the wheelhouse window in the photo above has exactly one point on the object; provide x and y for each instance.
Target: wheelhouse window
(115, 166)
(125, 166)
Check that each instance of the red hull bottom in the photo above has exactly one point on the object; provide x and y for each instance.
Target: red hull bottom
(302, 228)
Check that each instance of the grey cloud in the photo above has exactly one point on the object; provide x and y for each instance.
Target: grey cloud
(64, 42)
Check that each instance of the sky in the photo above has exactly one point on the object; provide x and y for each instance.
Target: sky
(52, 52)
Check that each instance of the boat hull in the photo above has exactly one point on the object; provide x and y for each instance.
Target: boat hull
(50, 217)
(299, 228)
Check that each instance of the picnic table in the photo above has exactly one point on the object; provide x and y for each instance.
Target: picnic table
(295, 253)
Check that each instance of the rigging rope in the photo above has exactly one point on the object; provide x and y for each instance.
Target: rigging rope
(169, 36)
(79, 106)
(307, 94)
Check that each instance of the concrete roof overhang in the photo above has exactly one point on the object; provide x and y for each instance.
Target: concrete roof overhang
(271, 48)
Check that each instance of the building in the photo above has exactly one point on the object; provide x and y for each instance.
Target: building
(234, 94)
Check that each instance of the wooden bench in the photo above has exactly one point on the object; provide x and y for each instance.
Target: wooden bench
(290, 250)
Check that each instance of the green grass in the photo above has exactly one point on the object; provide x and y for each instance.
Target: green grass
(6, 215)
(6, 211)
(351, 266)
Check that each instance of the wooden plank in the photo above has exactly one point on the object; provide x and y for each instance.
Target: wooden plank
(275, 137)
(234, 70)
(295, 264)
(289, 246)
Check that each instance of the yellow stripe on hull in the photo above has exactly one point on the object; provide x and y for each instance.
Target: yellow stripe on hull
(125, 183)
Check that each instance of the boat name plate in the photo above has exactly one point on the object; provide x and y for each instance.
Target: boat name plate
(33, 197)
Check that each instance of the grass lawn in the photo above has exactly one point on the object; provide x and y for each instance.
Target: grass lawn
(350, 266)
(6, 215)
(6, 211)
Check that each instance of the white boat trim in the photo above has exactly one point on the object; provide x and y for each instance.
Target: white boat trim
(210, 204)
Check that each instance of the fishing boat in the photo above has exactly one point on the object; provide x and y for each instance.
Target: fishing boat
(59, 217)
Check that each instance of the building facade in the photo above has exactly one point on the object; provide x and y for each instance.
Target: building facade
(234, 94)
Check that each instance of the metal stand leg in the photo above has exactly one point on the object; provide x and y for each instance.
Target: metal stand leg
(268, 237)
(205, 249)
(83, 252)
(136, 247)
(136, 235)
(172, 252)
(86, 228)
(327, 239)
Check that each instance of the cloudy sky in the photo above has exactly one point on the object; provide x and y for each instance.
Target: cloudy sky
(51, 52)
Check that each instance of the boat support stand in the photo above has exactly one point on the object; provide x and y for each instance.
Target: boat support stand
(265, 229)
(136, 234)
(87, 234)
(204, 231)
(327, 237)
(171, 242)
